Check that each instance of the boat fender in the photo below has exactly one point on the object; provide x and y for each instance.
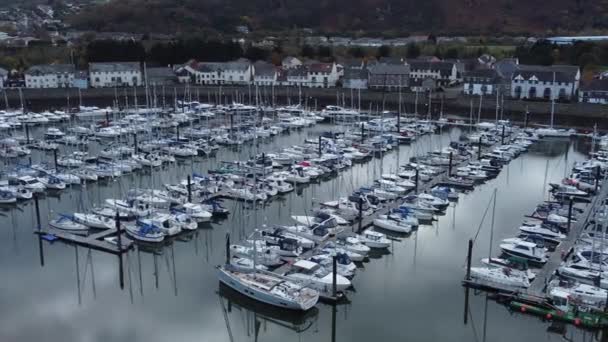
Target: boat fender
(523, 308)
(549, 316)
(577, 321)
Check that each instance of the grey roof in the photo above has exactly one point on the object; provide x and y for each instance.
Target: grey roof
(506, 67)
(559, 73)
(51, 69)
(482, 76)
(445, 68)
(389, 69)
(264, 69)
(238, 65)
(596, 85)
(355, 74)
(160, 72)
(298, 71)
(114, 67)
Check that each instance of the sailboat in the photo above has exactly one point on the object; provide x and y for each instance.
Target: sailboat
(266, 287)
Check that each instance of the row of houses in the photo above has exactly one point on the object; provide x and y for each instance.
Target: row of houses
(529, 82)
(485, 76)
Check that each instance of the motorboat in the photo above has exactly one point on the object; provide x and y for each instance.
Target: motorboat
(317, 277)
(374, 239)
(525, 249)
(264, 256)
(516, 264)
(352, 244)
(196, 211)
(166, 223)
(278, 233)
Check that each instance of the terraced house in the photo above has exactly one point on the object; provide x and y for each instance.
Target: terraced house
(50, 76)
(117, 74)
(555, 82)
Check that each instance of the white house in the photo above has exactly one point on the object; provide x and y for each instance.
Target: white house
(442, 73)
(322, 75)
(481, 82)
(50, 76)
(265, 74)
(297, 76)
(594, 91)
(204, 73)
(290, 62)
(238, 72)
(556, 82)
(119, 74)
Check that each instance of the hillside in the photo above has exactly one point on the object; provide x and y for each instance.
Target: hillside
(339, 16)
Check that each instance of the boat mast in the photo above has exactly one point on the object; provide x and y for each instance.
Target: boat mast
(552, 103)
(492, 225)
(497, 91)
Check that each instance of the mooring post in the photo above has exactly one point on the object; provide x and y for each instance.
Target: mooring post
(334, 275)
(55, 159)
(27, 133)
(135, 148)
(121, 274)
(189, 189)
(362, 133)
(360, 214)
(597, 177)
(416, 185)
(570, 212)
(469, 255)
(39, 228)
(502, 135)
(177, 128)
(450, 165)
(320, 146)
(227, 248)
(107, 117)
(479, 149)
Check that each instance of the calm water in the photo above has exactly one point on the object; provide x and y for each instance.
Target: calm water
(411, 293)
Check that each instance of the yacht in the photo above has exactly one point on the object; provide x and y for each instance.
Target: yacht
(268, 287)
(524, 249)
(499, 277)
(374, 239)
(316, 276)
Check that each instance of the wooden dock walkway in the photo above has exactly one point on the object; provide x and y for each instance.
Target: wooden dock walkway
(565, 248)
(94, 241)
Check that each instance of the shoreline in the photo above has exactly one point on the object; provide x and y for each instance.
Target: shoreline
(566, 114)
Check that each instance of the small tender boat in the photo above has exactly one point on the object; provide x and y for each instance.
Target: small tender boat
(374, 239)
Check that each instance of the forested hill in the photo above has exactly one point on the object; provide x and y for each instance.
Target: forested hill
(344, 16)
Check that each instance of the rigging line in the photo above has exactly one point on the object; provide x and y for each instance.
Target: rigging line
(483, 218)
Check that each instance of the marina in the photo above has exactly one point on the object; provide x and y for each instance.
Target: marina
(152, 273)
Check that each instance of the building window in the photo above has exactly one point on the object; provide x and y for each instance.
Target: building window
(562, 93)
(532, 93)
(547, 93)
(484, 89)
(517, 92)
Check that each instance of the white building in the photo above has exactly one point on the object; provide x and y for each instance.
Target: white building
(442, 73)
(290, 62)
(556, 82)
(594, 91)
(204, 73)
(297, 76)
(119, 74)
(481, 82)
(239, 72)
(322, 75)
(265, 74)
(50, 76)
